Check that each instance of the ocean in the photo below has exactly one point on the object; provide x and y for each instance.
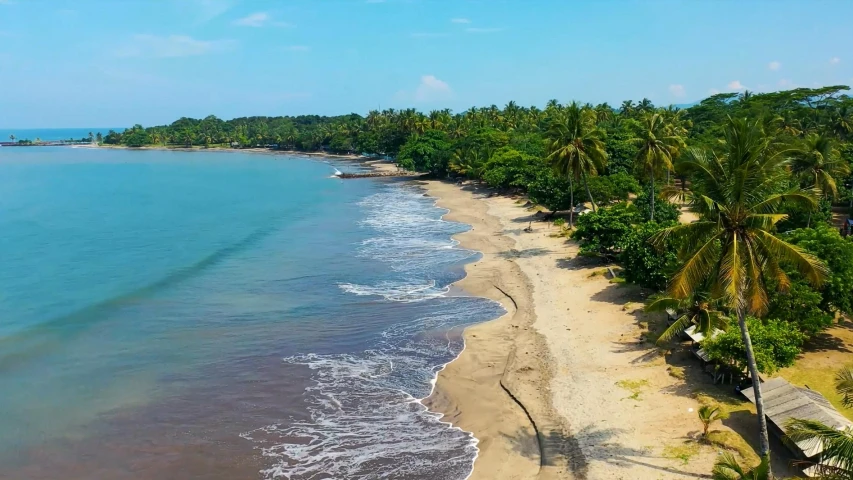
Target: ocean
(48, 134)
(172, 315)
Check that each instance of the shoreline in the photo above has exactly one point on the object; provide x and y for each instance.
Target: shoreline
(564, 385)
(491, 378)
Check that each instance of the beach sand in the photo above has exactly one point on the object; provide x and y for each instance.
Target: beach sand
(563, 385)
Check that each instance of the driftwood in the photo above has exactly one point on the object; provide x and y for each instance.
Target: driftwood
(401, 173)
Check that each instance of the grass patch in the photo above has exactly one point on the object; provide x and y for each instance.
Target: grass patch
(617, 280)
(820, 379)
(633, 386)
(683, 452)
(676, 372)
(734, 442)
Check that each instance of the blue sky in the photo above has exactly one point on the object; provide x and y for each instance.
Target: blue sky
(115, 63)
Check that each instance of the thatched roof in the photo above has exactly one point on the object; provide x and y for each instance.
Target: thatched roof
(783, 402)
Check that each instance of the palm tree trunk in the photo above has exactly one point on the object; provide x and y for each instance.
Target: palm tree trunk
(652, 195)
(588, 193)
(756, 387)
(571, 203)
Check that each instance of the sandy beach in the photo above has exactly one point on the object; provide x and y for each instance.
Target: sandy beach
(563, 385)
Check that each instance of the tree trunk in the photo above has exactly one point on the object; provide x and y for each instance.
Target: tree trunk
(588, 193)
(571, 203)
(756, 388)
(652, 196)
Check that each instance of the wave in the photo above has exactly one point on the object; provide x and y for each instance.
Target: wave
(397, 291)
(366, 419)
(366, 416)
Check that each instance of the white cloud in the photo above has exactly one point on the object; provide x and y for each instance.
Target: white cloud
(482, 30)
(460, 20)
(297, 48)
(171, 46)
(432, 89)
(774, 65)
(834, 60)
(677, 90)
(207, 10)
(259, 19)
(429, 35)
(713, 91)
(736, 85)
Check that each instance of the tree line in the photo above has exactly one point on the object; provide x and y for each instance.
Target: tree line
(762, 262)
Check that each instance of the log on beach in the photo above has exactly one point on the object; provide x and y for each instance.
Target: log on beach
(378, 174)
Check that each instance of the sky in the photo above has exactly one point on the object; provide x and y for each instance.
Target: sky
(78, 63)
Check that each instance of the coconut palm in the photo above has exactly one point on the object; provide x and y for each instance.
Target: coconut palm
(698, 310)
(708, 415)
(731, 249)
(576, 148)
(12, 138)
(819, 163)
(657, 143)
(728, 468)
(836, 459)
(844, 385)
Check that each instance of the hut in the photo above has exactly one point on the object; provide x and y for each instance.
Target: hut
(783, 402)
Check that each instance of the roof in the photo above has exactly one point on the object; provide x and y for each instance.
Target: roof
(783, 401)
(697, 336)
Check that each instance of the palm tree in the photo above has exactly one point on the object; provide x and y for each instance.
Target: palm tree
(91, 137)
(658, 144)
(731, 248)
(708, 415)
(698, 310)
(819, 162)
(728, 468)
(836, 458)
(627, 108)
(645, 105)
(844, 385)
(12, 138)
(576, 148)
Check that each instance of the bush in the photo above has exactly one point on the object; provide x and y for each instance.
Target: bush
(510, 168)
(429, 152)
(609, 188)
(665, 211)
(645, 264)
(837, 253)
(775, 343)
(549, 190)
(602, 232)
(801, 306)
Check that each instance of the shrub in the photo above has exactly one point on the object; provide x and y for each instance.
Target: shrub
(602, 232)
(645, 264)
(837, 253)
(775, 343)
(665, 211)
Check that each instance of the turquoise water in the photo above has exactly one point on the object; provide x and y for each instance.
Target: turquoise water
(158, 300)
(48, 134)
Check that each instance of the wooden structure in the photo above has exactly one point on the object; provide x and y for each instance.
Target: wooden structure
(783, 402)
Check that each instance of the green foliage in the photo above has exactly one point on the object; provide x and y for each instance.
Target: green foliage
(802, 306)
(602, 232)
(665, 212)
(800, 216)
(511, 168)
(836, 252)
(549, 190)
(775, 344)
(644, 263)
(429, 152)
(610, 188)
(136, 136)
